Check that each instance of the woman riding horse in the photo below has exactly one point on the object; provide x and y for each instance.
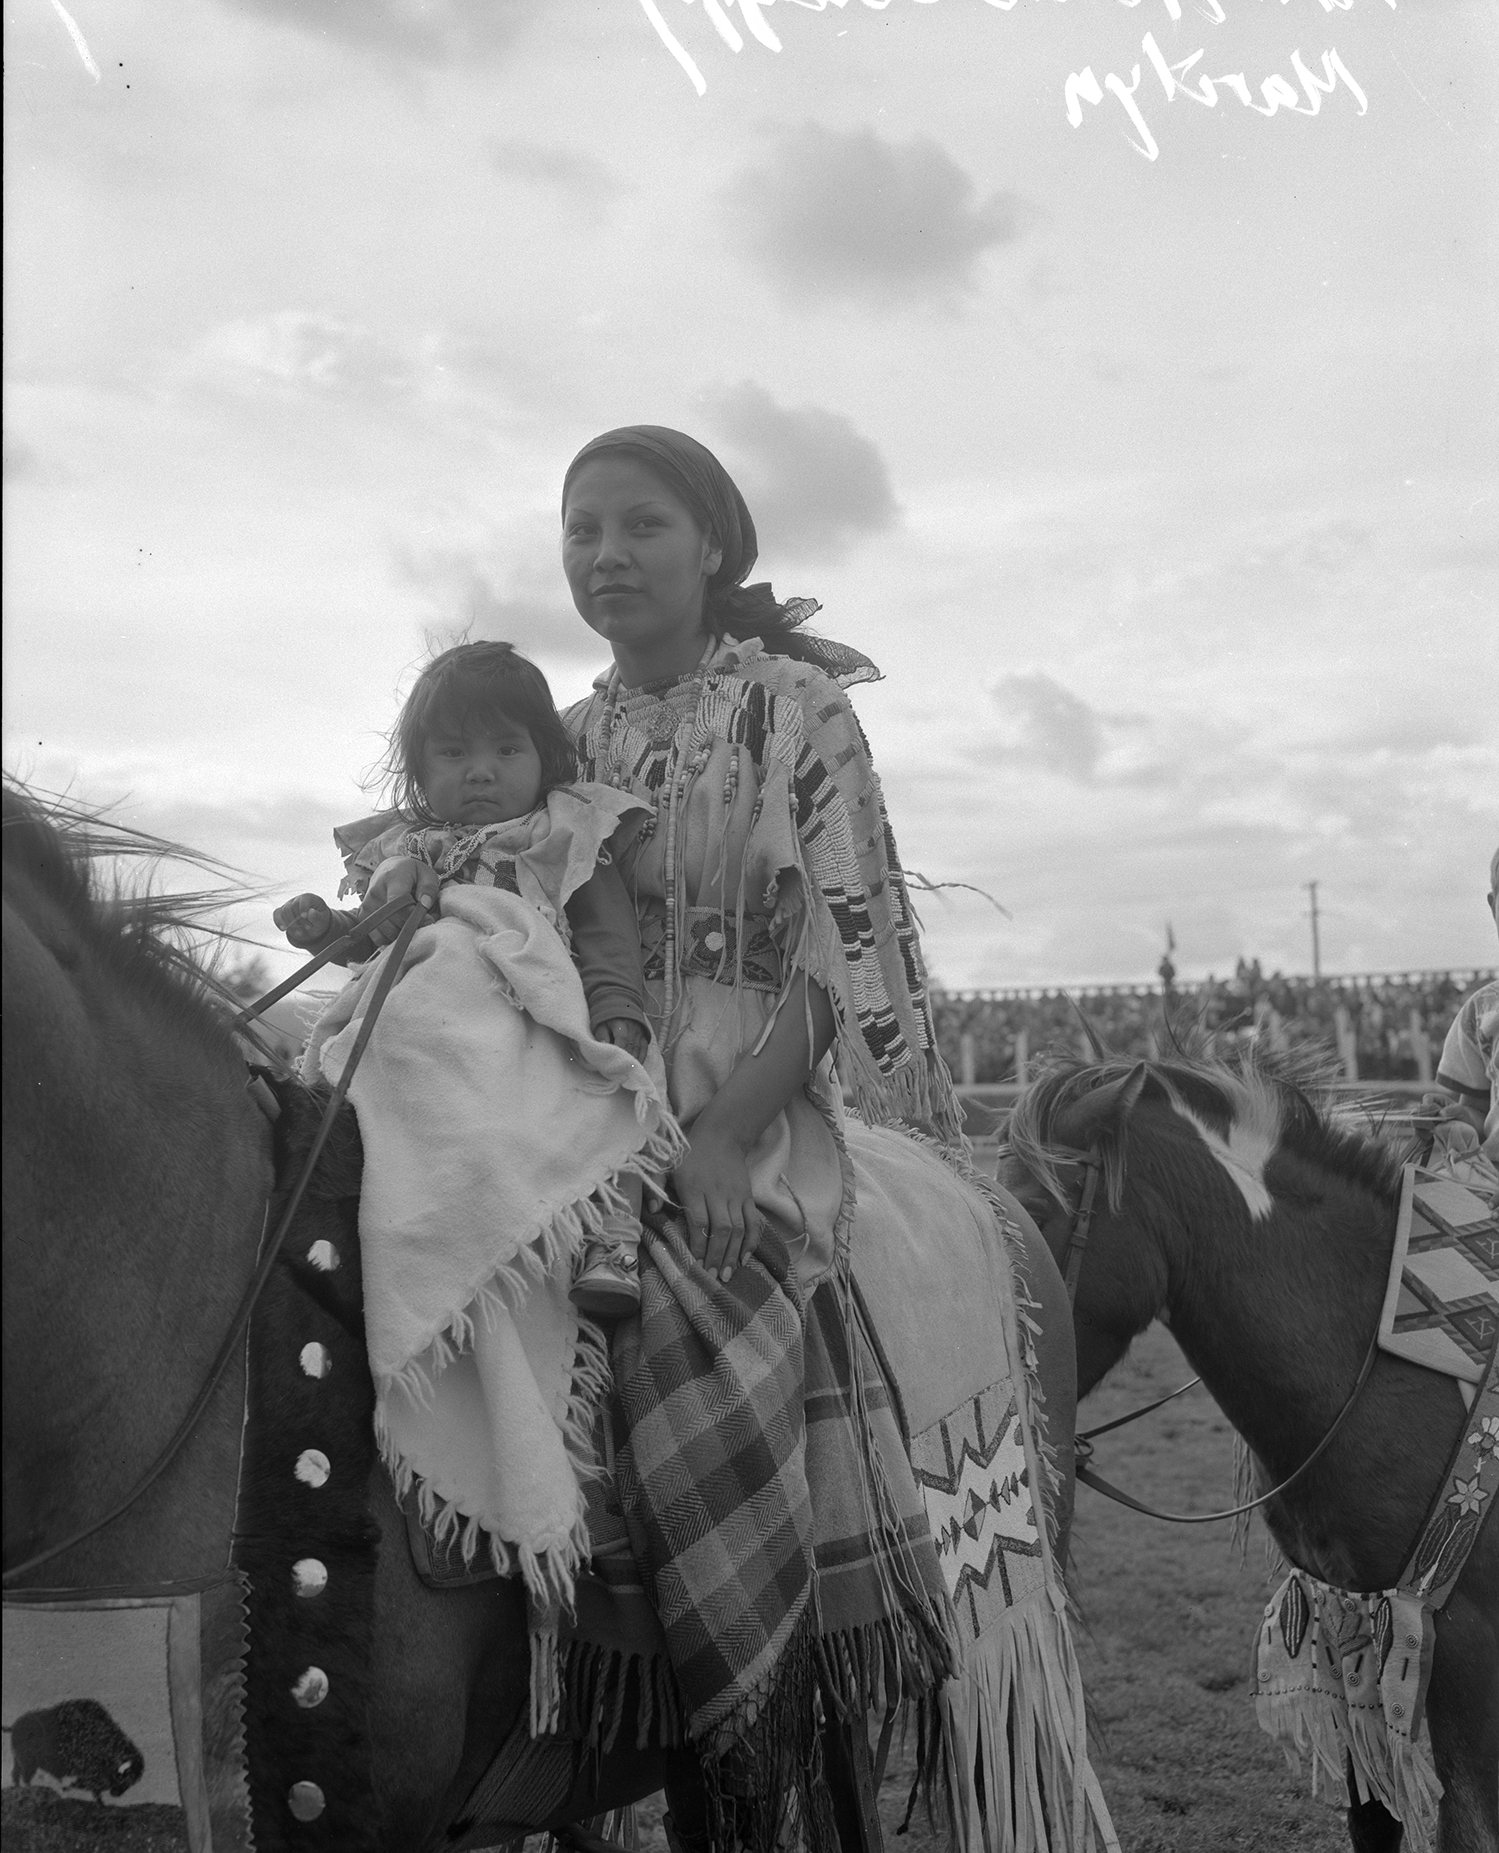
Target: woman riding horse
(830, 1465)
(778, 935)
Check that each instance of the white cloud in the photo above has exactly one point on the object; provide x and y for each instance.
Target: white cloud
(568, 171)
(467, 602)
(293, 353)
(813, 481)
(23, 463)
(1042, 724)
(433, 31)
(847, 213)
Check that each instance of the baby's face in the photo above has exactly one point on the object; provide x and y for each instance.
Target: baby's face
(481, 778)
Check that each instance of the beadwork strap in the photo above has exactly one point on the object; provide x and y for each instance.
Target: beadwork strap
(1465, 1500)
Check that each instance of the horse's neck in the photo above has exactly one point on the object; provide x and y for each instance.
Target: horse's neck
(140, 1198)
(1276, 1314)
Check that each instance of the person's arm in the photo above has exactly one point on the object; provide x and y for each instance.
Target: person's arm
(311, 924)
(606, 951)
(1461, 1070)
(712, 1181)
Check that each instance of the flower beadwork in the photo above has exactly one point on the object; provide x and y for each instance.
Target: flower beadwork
(1468, 1496)
(1486, 1440)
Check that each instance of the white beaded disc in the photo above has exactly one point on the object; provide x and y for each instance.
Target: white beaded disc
(309, 1576)
(323, 1256)
(313, 1467)
(311, 1687)
(316, 1360)
(305, 1799)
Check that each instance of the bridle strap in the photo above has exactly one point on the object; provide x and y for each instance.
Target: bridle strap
(268, 1259)
(1084, 1444)
(1072, 1259)
(1123, 1421)
(1082, 1223)
(335, 949)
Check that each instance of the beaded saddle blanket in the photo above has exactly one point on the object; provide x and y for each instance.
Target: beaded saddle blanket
(1342, 1675)
(1442, 1303)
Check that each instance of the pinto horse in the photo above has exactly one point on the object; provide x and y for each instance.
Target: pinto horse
(1241, 1210)
(135, 1200)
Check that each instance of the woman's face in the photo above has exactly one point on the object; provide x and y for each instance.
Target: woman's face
(636, 561)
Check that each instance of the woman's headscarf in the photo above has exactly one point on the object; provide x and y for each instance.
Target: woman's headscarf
(730, 607)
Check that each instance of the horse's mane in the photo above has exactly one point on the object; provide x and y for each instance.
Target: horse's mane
(159, 944)
(1285, 1098)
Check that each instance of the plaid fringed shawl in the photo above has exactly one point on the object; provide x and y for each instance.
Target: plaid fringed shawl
(711, 1469)
(858, 938)
(764, 1591)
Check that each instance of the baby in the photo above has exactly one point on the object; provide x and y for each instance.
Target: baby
(474, 758)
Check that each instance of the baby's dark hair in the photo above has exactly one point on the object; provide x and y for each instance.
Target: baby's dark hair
(465, 690)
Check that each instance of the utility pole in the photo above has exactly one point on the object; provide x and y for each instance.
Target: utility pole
(1316, 940)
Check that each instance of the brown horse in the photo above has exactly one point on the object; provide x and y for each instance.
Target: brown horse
(135, 1199)
(1239, 1208)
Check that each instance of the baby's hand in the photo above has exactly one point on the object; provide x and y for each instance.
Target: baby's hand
(1444, 1108)
(306, 920)
(396, 877)
(625, 1033)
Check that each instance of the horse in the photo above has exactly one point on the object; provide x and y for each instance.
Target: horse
(135, 1201)
(1244, 1212)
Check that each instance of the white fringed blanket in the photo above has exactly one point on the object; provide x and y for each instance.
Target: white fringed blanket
(493, 1124)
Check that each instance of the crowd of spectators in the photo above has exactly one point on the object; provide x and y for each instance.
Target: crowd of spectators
(1378, 1025)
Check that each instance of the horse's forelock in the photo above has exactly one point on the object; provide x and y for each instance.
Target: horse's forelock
(1245, 1111)
(1034, 1132)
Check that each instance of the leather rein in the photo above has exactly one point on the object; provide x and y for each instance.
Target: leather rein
(1070, 1263)
(272, 1249)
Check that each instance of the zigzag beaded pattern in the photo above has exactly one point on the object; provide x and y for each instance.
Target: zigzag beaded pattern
(975, 1483)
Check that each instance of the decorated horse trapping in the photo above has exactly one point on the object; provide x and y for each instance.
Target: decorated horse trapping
(1442, 1304)
(1342, 1675)
(936, 1249)
(1230, 1189)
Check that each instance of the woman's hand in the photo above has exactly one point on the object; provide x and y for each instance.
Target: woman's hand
(625, 1033)
(396, 877)
(306, 920)
(713, 1181)
(713, 1187)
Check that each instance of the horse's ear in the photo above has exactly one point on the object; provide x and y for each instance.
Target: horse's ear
(1106, 1108)
(1100, 1053)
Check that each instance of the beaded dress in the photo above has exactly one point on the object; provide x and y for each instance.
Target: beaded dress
(768, 854)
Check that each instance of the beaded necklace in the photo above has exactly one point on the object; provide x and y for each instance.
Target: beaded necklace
(685, 764)
(614, 720)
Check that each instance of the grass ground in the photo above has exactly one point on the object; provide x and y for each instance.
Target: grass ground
(39, 1820)
(1170, 1614)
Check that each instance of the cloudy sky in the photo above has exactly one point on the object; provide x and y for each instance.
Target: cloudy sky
(1150, 454)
